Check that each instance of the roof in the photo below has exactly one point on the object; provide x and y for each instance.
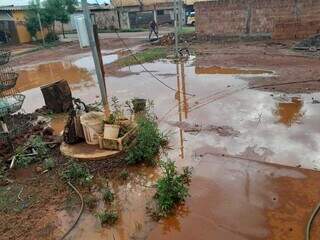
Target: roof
(5, 17)
(13, 8)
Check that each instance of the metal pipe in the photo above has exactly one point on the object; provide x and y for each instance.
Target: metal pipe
(95, 55)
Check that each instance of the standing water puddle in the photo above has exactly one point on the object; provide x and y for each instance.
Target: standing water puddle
(264, 127)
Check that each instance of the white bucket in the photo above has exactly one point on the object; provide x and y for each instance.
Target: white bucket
(111, 131)
(92, 124)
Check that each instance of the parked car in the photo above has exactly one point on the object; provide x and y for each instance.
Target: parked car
(191, 20)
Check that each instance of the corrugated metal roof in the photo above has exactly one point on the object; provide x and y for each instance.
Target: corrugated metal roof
(5, 17)
(13, 8)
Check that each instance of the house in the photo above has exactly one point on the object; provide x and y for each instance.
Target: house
(140, 12)
(12, 25)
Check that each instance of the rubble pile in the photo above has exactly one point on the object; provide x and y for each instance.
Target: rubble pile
(312, 43)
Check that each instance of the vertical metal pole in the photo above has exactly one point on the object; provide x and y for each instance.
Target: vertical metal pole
(95, 55)
(175, 27)
(41, 30)
(180, 14)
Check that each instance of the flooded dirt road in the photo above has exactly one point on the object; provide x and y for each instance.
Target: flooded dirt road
(249, 149)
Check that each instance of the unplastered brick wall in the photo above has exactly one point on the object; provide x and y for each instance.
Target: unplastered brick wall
(281, 19)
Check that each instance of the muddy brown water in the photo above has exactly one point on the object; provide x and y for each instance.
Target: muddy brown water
(245, 185)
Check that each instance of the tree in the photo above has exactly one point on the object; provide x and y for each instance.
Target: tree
(61, 10)
(49, 11)
(32, 20)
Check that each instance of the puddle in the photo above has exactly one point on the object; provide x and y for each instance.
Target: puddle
(131, 198)
(269, 129)
(224, 70)
(87, 62)
(58, 122)
(290, 112)
(44, 74)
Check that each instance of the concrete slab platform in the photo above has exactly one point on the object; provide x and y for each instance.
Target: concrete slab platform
(86, 152)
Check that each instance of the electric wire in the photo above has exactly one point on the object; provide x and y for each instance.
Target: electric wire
(140, 63)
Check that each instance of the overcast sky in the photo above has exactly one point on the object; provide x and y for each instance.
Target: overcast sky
(25, 2)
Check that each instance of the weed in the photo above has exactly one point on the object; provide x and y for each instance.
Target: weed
(148, 143)
(9, 199)
(147, 55)
(108, 217)
(24, 159)
(186, 30)
(48, 163)
(172, 188)
(90, 201)
(107, 195)
(77, 173)
(124, 175)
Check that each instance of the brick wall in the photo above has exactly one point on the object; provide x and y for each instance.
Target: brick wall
(281, 19)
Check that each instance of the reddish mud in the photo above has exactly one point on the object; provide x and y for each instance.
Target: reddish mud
(240, 199)
(289, 66)
(223, 70)
(66, 49)
(235, 193)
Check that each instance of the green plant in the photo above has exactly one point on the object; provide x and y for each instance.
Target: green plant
(111, 119)
(90, 201)
(48, 163)
(51, 37)
(107, 195)
(24, 158)
(124, 174)
(172, 188)
(108, 217)
(147, 55)
(149, 140)
(77, 173)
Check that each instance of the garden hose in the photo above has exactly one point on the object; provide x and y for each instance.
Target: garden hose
(80, 212)
(313, 215)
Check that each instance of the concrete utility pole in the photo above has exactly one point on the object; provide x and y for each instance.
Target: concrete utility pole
(95, 55)
(41, 30)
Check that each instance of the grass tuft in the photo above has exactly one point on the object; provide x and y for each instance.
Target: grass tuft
(147, 55)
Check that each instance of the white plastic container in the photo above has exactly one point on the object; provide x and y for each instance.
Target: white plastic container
(92, 124)
(111, 131)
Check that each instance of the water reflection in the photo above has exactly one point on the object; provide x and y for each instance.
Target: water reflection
(183, 106)
(48, 73)
(290, 112)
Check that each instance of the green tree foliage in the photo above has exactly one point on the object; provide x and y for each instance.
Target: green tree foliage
(49, 11)
(32, 20)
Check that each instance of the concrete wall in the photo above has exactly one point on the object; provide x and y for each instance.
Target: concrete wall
(281, 19)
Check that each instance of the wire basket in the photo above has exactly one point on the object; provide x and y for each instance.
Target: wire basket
(4, 56)
(8, 80)
(11, 104)
(16, 126)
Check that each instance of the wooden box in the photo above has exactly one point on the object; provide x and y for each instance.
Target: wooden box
(118, 143)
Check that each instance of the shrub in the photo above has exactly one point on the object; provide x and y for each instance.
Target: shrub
(90, 201)
(48, 163)
(108, 217)
(172, 188)
(51, 37)
(107, 195)
(24, 159)
(124, 174)
(148, 143)
(77, 173)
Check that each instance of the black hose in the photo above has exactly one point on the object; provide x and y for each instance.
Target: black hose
(80, 212)
(313, 215)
